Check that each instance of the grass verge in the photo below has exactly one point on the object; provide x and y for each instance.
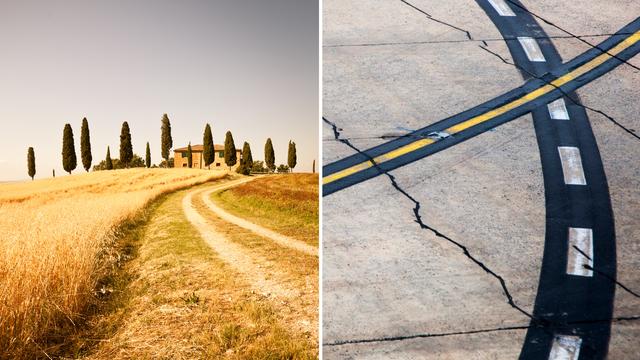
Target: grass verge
(184, 303)
(287, 204)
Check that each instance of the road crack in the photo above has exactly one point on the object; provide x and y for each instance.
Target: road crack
(568, 96)
(437, 233)
(570, 33)
(466, 32)
(424, 335)
(470, 332)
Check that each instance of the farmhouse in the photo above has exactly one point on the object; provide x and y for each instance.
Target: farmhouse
(180, 157)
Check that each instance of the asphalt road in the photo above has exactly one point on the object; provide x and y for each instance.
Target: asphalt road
(571, 303)
(534, 93)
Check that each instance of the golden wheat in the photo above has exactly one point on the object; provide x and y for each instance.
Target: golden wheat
(56, 233)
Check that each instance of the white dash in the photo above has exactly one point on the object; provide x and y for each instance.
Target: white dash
(582, 239)
(558, 110)
(565, 347)
(501, 7)
(531, 48)
(571, 165)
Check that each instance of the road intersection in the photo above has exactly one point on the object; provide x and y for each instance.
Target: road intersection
(579, 224)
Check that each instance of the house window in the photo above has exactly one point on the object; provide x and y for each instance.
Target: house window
(184, 165)
(184, 154)
(217, 164)
(221, 154)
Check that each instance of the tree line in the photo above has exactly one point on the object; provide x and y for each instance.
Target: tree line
(128, 159)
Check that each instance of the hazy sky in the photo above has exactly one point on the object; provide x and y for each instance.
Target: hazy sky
(246, 66)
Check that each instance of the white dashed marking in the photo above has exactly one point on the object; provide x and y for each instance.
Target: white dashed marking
(558, 110)
(583, 240)
(501, 7)
(532, 49)
(565, 347)
(571, 165)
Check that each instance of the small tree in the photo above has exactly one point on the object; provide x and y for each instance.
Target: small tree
(282, 168)
(247, 158)
(292, 158)
(108, 162)
(85, 145)
(147, 158)
(126, 148)
(166, 142)
(258, 167)
(208, 153)
(167, 164)
(31, 163)
(269, 155)
(69, 160)
(230, 157)
(189, 156)
(136, 162)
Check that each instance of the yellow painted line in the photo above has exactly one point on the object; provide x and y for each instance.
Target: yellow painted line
(545, 89)
(384, 157)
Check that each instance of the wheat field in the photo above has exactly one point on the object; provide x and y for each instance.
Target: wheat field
(57, 234)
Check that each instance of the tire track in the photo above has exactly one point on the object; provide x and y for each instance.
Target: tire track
(263, 275)
(278, 238)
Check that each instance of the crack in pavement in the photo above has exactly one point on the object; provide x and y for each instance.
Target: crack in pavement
(424, 226)
(485, 40)
(467, 33)
(607, 276)
(568, 96)
(570, 33)
(425, 335)
(468, 332)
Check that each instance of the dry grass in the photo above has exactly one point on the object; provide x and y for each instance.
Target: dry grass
(57, 235)
(300, 270)
(187, 303)
(287, 204)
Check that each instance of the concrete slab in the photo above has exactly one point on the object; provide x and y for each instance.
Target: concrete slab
(383, 275)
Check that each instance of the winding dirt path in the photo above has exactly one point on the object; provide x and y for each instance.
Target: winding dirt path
(278, 238)
(263, 275)
(251, 266)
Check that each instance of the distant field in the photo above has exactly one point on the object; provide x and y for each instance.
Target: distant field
(55, 244)
(285, 203)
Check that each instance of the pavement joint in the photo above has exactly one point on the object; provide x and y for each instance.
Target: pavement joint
(485, 40)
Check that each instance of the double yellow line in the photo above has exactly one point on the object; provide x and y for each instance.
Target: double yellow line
(418, 144)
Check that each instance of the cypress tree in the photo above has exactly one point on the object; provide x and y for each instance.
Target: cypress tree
(230, 157)
(69, 160)
(208, 153)
(313, 167)
(189, 156)
(126, 149)
(292, 158)
(147, 158)
(85, 145)
(166, 142)
(247, 158)
(31, 163)
(109, 163)
(269, 156)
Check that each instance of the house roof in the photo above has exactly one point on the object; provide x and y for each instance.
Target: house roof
(200, 148)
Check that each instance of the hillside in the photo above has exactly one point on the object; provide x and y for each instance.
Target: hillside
(56, 247)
